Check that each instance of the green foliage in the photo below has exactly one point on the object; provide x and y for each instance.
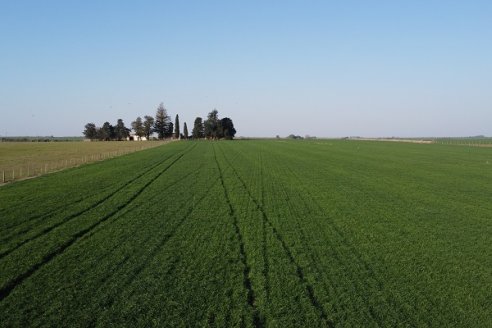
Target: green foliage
(148, 126)
(106, 132)
(90, 131)
(226, 129)
(169, 131)
(177, 133)
(138, 127)
(121, 132)
(211, 125)
(215, 128)
(256, 233)
(162, 122)
(185, 131)
(198, 129)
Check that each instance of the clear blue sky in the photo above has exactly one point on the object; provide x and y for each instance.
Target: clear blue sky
(324, 68)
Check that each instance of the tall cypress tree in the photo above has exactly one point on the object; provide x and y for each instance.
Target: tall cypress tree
(176, 127)
(185, 131)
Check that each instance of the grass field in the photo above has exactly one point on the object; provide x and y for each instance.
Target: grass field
(254, 234)
(20, 160)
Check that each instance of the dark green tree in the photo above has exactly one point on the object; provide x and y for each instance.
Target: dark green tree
(148, 125)
(212, 125)
(176, 127)
(106, 132)
(138, 127)
(226, 129)
(198, 130)
(169, 130)
(90, 131)
(121, 131)
(161, 123)
(185, 131)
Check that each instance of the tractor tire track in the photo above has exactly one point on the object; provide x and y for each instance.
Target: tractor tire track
(74, 215)
(372, 313)
(266, 262)
(11, 285)
(299, 271)
(64, 206)
(258, 320)
(314, 259)
(403, 314)
(79, 213)
(166, 238)
(312, 254)
(147, 258)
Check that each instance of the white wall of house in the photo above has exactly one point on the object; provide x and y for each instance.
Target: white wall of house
(134, 137)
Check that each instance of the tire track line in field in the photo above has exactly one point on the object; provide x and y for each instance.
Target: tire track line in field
(11, 285)
(258, 320)
(146, 258)
(157, 248)
(315, 260)
(60, 208)
(38, 217)
(371, 311)
(299, 271)
(81, 212)
(357, 257)
(311, 253)
(266, 262)
(166, 237)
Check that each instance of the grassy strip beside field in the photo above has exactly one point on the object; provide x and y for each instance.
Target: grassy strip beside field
(253, 234)
(474, 142)
(20, 160)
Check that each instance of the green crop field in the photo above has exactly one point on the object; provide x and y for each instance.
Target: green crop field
(254, 234)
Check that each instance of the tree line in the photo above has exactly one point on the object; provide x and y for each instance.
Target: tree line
(144, 129)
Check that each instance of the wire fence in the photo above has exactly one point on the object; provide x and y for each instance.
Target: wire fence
(472, 142)
(28, 170)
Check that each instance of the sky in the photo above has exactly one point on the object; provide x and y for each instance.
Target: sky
(319, 68)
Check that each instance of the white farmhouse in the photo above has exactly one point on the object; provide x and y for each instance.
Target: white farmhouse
(134, 137)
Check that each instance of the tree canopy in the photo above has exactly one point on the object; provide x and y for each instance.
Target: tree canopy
(121, 131)
(162, 121)
(212, 125)
(212, 128)
(176, 127)
(90, 131)
(138, 127)
(148, 126)
(185, 131)
(198, 130)
(226, 129)
(216, 128)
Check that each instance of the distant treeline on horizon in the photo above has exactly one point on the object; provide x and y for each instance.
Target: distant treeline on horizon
(144, 129)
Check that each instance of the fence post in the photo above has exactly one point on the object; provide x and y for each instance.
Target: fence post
(13, 174)
(3, 176)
